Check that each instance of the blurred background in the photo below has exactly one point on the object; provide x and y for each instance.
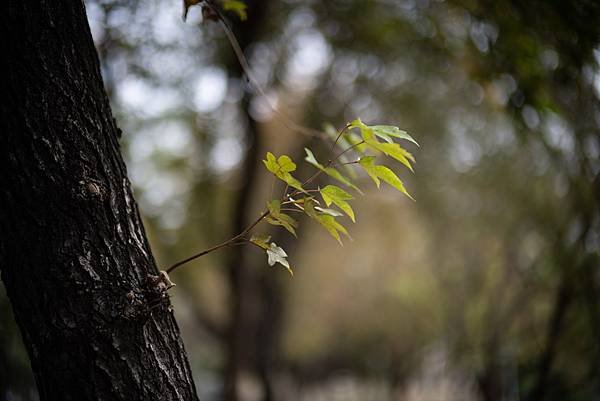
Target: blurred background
(485, 288)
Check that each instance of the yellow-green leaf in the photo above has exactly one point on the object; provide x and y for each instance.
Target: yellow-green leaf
(336, 195)
(397, 152)
(387, 131)
(384, 173)
(281, 168)
(277, 218)
(368, 165)
(286, 164)
(332, 226)
(237, 6)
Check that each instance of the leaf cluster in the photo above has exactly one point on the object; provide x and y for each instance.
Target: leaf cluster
(359, 146)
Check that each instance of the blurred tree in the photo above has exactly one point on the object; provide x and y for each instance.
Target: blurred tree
(76, 264)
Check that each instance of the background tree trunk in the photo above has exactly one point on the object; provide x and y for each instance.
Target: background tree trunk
(74, 256)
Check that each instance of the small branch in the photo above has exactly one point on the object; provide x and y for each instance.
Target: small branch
(348, 149)
(338, 137)
(347, 163)
(231, 241)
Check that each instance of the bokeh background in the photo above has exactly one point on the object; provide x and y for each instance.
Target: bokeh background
(485, 288)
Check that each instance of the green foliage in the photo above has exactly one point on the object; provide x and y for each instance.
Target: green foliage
(382, 172)
(336, 195)
(277, 218)
(236, 6)
(353, 153)
(353, 148)
(282, 167)
(394, 150)
(332, 226)
(387, 132)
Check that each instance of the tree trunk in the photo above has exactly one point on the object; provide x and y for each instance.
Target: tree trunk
(74, 256)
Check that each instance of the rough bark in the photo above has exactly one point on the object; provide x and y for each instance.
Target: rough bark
(73, 253)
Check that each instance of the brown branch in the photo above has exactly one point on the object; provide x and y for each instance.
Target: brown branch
(229, 242)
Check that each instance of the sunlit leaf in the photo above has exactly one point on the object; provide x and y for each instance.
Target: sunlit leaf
(368, 165)
(336, 195)
(397, 152)
(332, 226)
(394, 150)
(388, 131)
(286, 164)
(383, 173)
(281, 168)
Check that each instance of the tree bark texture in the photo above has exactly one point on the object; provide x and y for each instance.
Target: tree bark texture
(73, 252)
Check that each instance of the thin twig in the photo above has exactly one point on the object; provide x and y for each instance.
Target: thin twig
(338, 137)
(349, 149)
(285, 120)
(346, 163)
(221, 245)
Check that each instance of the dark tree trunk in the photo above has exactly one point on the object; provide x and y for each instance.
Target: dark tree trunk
(74, 256)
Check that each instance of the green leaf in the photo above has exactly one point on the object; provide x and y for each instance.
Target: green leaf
(283, 222)
(274, 206)
(336, 195)
(368, 165)
(281, 168)
(382, 172)
(310, 158)
(286, 164)
(332, 226)
(261, 240)
(238, 7)
(325, 219)
(330, 171)
(309, 208)
(388, 131)
(394, 150)
(277, 218)
(397, 152)
(276, 254)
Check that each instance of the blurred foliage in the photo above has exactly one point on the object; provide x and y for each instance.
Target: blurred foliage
(486, 288)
